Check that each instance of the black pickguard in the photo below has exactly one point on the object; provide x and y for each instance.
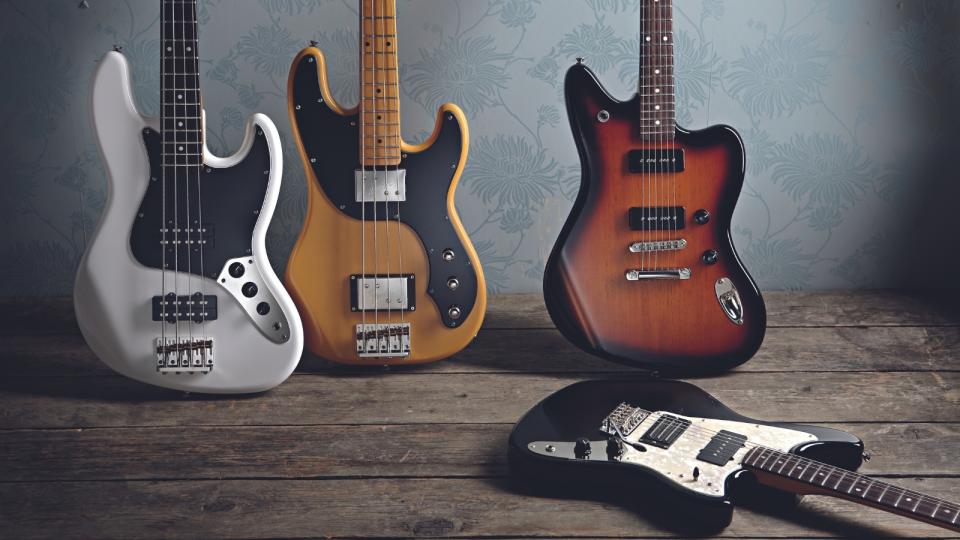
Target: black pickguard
(232, 199)
(332, 143)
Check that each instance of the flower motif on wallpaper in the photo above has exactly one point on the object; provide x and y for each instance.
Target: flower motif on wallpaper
(44, 82)
(613, 6)
(269, 49)
(547, 69)
(341, 56)
(779, 264)
(823, 169)
(508, 170)
(37, 268)
(467, 71)
(518, 13)
(516, 220)
(598, 43)
(494, 265)
(290, 7)
(761, 151)
(548, 115)
(779, 76)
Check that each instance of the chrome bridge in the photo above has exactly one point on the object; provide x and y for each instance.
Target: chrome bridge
(644, 275)
(390, 340)
(380, 186)
(184, 355)
(655, 247)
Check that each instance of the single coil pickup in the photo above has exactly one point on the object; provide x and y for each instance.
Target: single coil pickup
(184, 355)
(682, 274)
(383, 340)
(625, 418)
(195, 237)
(192, 308)
(652, 247)
(383, 292)
(382, 186)
(657, 218)
(653, 160)
(722, 447)
(665, 431)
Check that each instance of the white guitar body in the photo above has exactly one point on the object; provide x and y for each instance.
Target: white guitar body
(113, 291)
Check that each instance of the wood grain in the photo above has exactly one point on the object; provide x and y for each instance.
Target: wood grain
(62, 402)
(393, 508)
(428, 450)
(546, 351)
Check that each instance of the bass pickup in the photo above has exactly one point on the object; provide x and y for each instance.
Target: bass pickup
(382, 292)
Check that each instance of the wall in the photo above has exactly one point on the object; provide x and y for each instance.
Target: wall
(843, 104)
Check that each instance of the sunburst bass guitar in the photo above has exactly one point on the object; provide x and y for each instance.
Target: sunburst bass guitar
(645, 271)
(175, 288)
(383, 271)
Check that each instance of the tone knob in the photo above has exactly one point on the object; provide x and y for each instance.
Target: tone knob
(249, 289)
(614, 448)
(263, 308)
(581, 449)
(237, 270)
(453, 283)
(454, 312)
(448, 255)
(702, 217)
(710, 256)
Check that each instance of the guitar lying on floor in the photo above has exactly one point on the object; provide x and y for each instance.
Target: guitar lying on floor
(701, 452)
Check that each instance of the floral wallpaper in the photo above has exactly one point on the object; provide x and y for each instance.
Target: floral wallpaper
(841, 103)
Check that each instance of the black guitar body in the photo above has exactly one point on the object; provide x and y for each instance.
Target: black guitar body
(578, 411)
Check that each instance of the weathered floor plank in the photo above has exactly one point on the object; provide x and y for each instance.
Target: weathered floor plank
(392, 508)
(546, 351)
(428, 450)
(60, 402)
(48, 316)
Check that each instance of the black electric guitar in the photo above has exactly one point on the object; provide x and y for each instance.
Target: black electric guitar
(703, 455)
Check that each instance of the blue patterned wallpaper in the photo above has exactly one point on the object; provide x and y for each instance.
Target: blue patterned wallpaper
(842, 103)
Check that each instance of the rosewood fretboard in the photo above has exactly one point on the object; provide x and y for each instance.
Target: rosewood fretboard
(180, 85)
(816, 477)
(656, 87)
(379, 84)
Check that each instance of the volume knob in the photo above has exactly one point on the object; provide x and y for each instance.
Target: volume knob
(581, 449)
(702, 217)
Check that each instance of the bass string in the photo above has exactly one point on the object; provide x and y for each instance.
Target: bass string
(644, 105)
(705, 434)
(199, 168)
(363, 175)
(188, 156)
(376, 152)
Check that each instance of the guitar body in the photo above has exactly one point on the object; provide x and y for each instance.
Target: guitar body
(664, 324)
(342, 238)
(120, 273)
(660, 480)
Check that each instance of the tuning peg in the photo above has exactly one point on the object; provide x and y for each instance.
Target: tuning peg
(84, 4)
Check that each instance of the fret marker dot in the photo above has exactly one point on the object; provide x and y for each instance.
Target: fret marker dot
(180, 124)
(665, 38)
(656, 71)
(181, 149)
(169, 49)
(191, 48)
(648, 38)
(858, 489)
(657, 122)
(656, 90)
(656, 107)
(909, 499)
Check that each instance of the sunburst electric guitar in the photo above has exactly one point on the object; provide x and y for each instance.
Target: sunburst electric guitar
(175, 288)
(383, 271)
(645, 271)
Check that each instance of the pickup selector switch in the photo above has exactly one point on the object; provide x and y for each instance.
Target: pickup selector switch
(250, 289)
(237, 270)
(710, 256)
(581, 449)
(702, 217)
(263, 308)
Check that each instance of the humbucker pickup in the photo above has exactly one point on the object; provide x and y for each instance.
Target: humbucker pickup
(722, 447)
(665, 431)
(659, 218)
(382, 292)
(196, 308)
(380, 186)
(667, 160)
(184, 355)
(383, 340)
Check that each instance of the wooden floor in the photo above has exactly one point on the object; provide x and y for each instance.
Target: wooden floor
(341, 453)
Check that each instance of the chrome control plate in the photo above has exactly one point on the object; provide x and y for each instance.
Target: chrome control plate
(380, 186)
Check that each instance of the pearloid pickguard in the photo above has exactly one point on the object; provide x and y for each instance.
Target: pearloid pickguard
(676, 463)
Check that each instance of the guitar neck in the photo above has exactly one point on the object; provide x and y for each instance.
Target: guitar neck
(804, 476)
(379, 84)
(656, 83)
(180, 84)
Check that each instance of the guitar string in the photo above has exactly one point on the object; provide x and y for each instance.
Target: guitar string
(644, 174)
(363, 185)
(381, 30)
(398, 142)
(376, 152)
(163, 176)
(176, 202)
(199, 170)
(706, 434)
(187, 158)
(658, 142)
(670, 127)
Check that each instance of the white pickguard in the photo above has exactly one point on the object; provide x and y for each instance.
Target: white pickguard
(113, 292)
(676, 464)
